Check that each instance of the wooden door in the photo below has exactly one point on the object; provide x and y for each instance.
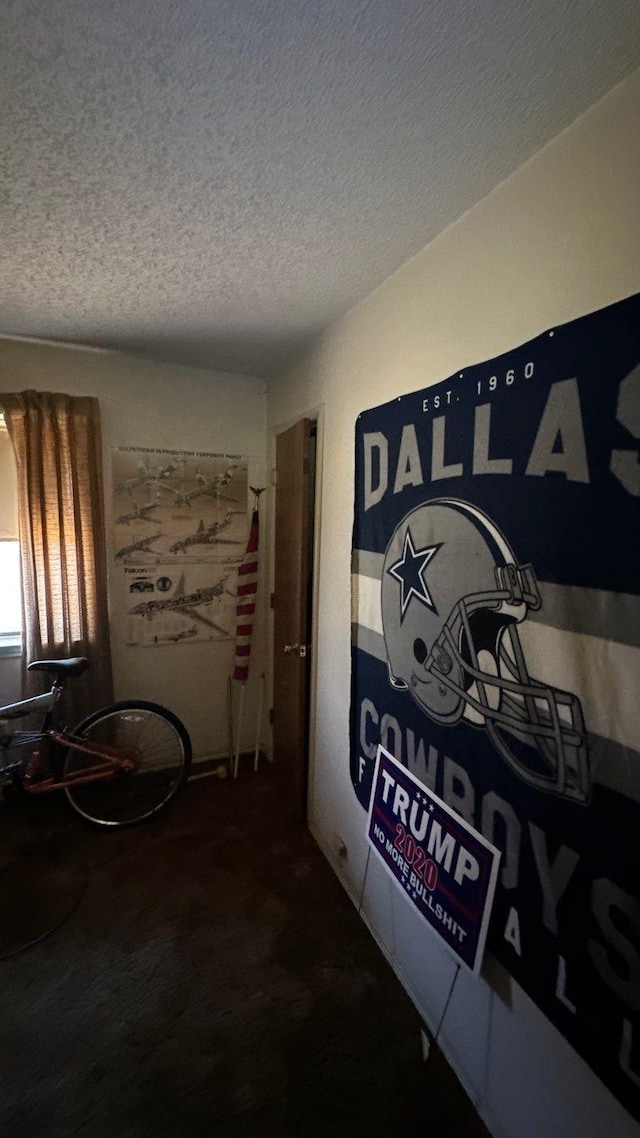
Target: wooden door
(292, 612)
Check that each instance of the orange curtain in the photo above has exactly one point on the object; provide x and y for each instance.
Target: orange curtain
(57, 444)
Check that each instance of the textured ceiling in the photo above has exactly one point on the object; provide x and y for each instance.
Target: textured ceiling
(213, 181)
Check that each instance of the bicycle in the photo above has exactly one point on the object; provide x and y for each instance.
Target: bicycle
(120, 766)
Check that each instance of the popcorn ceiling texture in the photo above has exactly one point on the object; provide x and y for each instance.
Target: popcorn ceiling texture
(212, 182)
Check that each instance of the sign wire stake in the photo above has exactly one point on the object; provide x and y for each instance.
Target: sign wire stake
(364, 879)
(444, 1012)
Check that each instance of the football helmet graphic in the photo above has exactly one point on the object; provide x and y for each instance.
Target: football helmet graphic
(453, 596)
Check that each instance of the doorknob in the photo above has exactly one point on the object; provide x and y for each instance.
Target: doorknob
(301, 649)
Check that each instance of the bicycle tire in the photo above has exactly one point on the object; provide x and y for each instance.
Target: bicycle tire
(159, 746)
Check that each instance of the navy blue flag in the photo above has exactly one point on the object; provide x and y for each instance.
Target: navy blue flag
(496, 651)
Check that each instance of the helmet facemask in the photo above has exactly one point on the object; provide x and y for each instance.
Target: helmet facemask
(538, 729)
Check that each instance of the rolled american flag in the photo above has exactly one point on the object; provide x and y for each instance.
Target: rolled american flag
(246, 600)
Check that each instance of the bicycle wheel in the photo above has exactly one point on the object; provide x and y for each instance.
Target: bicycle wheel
(157, 750)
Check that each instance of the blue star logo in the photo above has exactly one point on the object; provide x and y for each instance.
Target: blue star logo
(410, 571)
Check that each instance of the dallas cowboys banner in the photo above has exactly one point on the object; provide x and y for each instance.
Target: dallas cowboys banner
(496, 651)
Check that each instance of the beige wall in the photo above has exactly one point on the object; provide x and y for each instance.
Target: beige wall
(154, 405)
(560, 238)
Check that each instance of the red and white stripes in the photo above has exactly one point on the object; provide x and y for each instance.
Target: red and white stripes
(246, 601)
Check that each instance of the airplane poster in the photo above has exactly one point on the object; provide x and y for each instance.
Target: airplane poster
(496, 651)
(179, 530)
(186, 606)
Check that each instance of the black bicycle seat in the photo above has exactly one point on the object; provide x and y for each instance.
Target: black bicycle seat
(74, 666)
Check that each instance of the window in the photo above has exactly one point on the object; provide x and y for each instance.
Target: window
(10, 589)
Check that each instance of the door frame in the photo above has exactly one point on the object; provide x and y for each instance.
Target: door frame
(316, 415)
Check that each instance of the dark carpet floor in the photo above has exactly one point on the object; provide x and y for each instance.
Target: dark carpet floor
(212, 978)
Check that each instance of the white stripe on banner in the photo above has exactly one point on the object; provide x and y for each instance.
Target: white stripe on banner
(594, 612)
(596, 671)
(367, 608)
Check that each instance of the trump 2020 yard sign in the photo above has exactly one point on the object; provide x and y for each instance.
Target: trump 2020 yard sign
(446, 869)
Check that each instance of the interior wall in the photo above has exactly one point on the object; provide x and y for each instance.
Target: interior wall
(146, 404)
(559, 239)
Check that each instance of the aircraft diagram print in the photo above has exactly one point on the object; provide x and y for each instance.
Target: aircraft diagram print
(186, 508)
